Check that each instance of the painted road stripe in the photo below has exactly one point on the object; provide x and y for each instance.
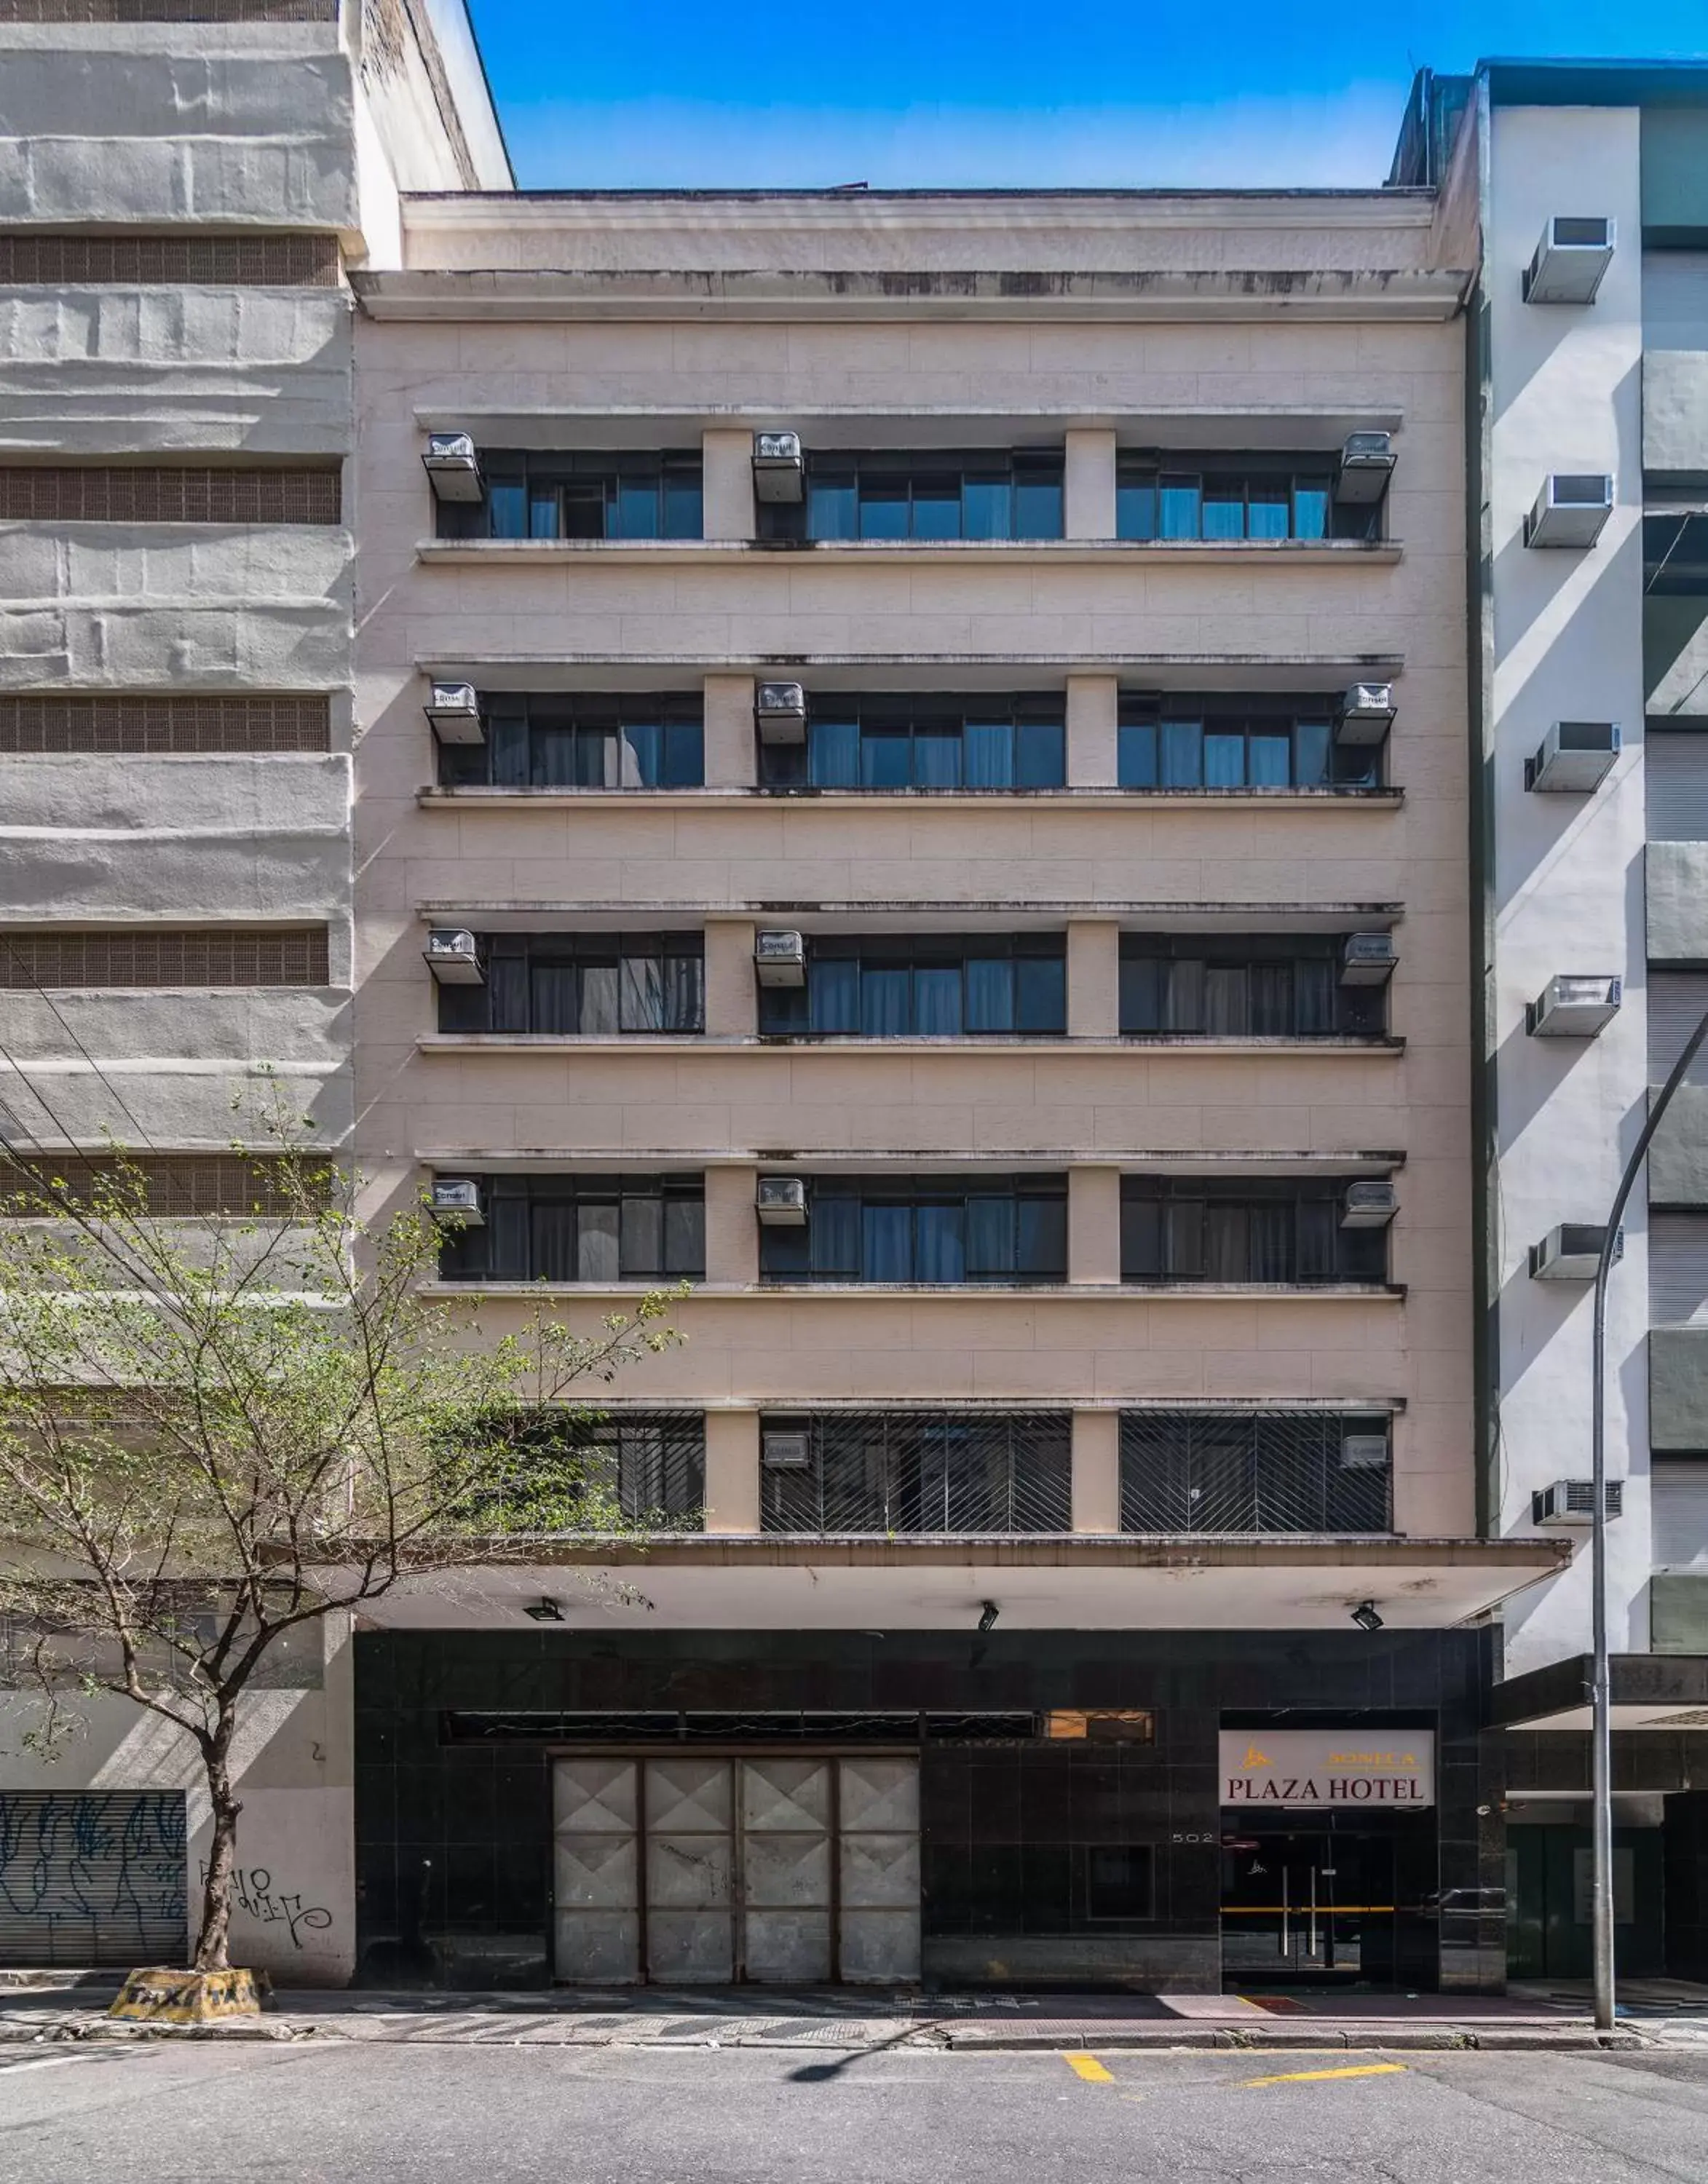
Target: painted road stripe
(43, 2063)
(1303, 2077)
(1090, 2069)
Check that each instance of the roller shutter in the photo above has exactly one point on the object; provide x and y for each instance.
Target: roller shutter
(1675, 775)
(91, 1877)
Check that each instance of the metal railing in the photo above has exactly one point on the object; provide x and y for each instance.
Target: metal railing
(914, 1472)
(1262, 1472)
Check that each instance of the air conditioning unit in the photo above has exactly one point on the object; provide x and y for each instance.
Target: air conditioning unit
(1576, 756)
(779, 959)
(1366, 465)
(1572, 1251)
(1367, 959)
(780, 1201)
(1571, 509)
(453, 467)
(453, 710)
(454, 957)
(457, 1198)
(1364, 1451)
(1368, 1204)
(779, 713)
(785, 1448)
(1570, 261)
(779, 471)
(1574, 1005)
(1366, 715)
(1572, 1502)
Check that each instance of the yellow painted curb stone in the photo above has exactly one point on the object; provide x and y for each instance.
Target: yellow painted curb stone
(159, 1997)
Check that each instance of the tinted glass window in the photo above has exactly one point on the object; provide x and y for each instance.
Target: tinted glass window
(1204, 1229)
(582, 1229)
(924, 494)
(549, 493)
(928, 986)
(1242, 986)
(582, 983)
(1222, 499)
(581, 739)
(1222, 741)
(924, 1229)
(892, 742)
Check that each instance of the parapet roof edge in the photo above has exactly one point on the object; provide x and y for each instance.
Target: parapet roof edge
(1375, 192)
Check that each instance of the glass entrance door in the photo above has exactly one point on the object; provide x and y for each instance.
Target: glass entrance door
(1308, 1907)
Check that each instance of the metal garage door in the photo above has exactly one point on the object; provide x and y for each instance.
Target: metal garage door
(798, 1868)
(91, 1877)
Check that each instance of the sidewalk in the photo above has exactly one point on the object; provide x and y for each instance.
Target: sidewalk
(850, 2020)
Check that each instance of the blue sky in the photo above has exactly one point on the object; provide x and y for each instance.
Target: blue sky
(617, 94)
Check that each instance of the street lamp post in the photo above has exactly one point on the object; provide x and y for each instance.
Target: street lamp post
(1600, 1687)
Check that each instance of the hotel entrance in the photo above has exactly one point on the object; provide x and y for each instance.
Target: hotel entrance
(1311, 1907)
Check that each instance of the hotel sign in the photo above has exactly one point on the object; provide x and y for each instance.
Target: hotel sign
(1380, 1768)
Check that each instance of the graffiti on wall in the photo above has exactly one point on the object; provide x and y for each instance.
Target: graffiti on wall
(254, 1894)
(79, 1863)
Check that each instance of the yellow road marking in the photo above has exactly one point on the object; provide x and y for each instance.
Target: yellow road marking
(1299, 2077)
(1090, 2069)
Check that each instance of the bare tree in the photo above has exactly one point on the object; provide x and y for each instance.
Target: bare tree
(217, 1433)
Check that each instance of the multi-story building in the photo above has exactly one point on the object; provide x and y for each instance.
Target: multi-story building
(913, 772)
(1588, 454)
(183, 184)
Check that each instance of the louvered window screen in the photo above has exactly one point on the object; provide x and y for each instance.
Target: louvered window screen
(1677, 1269)
(176, 1185)
(1677, 1001)
(882, 1471)
(1680, 1516)
(191, 260)
(93, 1877)
(1675, 777)
(164, 727)
(296, 957)
(1267, 1471)
(160, 494)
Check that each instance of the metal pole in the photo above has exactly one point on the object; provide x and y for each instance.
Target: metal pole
(1600, 1679)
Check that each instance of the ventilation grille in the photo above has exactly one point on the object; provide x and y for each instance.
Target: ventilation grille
(890, 1472)
(174, 1185)
(168, 11)
(1267, 1470)
(294, 956)
(164, 725)
(165, 495)
(147, 261)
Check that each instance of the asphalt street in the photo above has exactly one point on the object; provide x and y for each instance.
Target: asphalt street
(382, 2114)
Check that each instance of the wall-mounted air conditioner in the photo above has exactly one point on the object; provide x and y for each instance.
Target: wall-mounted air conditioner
(1367, 959)
(779, 471)
(1574, 1005)
(785, 1448)
(1572, 1502)
(779, 713)
(457, 1198)
(1575, 757)
(1572, 1251)
(1571, 509)
(454, 957)
(453, 467)
(780, 1201)
(779, 959)
(1364, 1451)
(1366, 716)
(453, 710)
(1570, 261)
(1366, 465)
(1368, 1204)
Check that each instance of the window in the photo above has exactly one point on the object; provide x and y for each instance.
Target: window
(896, 1471)
(565, 1466)
(924, 986)
(582, 741)
(582, 1229)
(924, 493)
(946, 1229)
(879, 743)
(1237, 986)
(583, 983)
(1198, 1229)
(1226, 742)
(1221, 498)
(1264, 1471)
(544, 493)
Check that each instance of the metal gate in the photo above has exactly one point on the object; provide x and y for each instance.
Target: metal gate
(799, 1869)
(91, 1877)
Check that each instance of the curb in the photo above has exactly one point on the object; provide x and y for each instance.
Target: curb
(1438, 2039)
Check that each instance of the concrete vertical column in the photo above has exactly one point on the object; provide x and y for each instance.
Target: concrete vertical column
(731, 1009)
(732, 1229)
(1093, 707)
(1096, 1491)
(728, 715)
(1088, 495)
(732, 1471)
(1094, 978)
(725, 456)
(1094, 1226)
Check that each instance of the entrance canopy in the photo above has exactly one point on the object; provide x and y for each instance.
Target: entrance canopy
(1650, 1691)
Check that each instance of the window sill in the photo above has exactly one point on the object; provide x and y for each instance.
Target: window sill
(806, 1292)
(1100, 799)
(511, 553)
(1046, 1042)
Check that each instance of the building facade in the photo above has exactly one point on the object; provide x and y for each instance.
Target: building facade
(1588, 460)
